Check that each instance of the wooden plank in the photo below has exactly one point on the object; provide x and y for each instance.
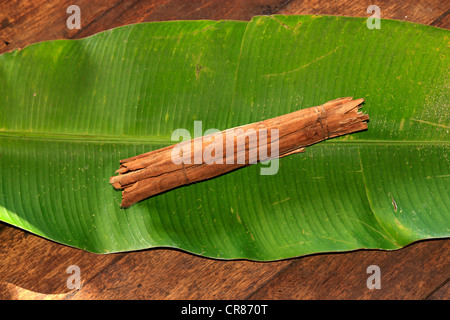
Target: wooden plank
(23, 22)
(419, 11)
(173, 274)
(443, 21)
(31, 266)
(441, 293)
(37, 269)
(409, 273)
(34, 268)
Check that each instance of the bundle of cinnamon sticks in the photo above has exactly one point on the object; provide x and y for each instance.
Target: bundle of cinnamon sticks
(212, 155)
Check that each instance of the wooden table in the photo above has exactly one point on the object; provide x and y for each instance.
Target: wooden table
(34, 268)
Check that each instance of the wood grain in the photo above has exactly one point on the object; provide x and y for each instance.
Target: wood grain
(171, 274)
(34, 268)
(419, 11)
(31, 266)
(442, 292)
(408, 273)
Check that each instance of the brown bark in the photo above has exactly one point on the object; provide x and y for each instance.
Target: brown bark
(155, 172)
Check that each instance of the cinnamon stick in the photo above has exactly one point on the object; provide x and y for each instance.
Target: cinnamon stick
(209, 156)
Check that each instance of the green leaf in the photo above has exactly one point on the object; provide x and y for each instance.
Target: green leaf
(71, 109)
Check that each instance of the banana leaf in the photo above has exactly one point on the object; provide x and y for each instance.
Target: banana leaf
(71, 109)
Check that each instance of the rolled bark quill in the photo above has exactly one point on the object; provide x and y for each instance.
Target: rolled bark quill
(155, 172)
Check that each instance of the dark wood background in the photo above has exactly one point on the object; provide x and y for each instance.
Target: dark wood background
(34, 268)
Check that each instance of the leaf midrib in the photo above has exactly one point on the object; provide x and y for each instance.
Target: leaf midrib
(166, 140)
